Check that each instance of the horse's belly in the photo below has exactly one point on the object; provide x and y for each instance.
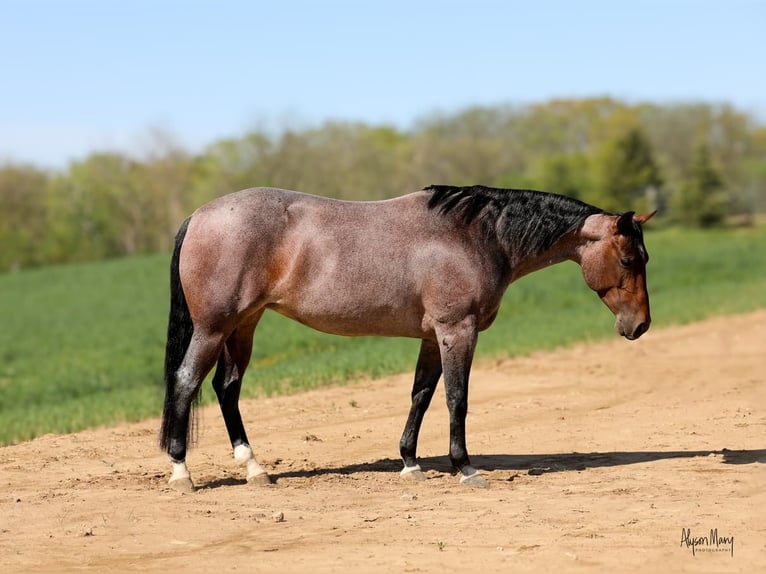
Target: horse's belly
(354, 320)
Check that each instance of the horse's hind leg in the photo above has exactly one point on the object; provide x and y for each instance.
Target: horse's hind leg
(427, 373)
(227, 383)
(198, 360)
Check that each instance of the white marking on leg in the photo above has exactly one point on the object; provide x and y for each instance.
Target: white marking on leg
(468, 473)
(180, 471)
(412, 473)
(243, 454)
(410, 469)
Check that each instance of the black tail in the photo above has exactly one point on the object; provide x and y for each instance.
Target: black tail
(180, 329)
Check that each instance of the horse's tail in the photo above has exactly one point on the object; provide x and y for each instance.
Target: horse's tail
(180, 329)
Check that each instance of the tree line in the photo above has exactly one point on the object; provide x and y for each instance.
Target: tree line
(698, 163)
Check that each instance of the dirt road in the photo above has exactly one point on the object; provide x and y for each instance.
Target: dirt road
(612, 457)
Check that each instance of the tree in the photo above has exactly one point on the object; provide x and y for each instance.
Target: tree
(701, 201)
(22, 215)
(564, 174)
(627, 173)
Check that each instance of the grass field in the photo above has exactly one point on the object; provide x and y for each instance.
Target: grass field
(82, 345)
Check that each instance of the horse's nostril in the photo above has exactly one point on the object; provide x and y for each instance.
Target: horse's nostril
(640, 330)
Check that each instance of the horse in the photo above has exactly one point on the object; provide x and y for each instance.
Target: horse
(431, 265)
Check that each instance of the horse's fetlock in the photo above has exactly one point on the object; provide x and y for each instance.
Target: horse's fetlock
(243, 453)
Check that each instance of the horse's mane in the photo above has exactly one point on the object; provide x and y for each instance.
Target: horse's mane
(528, 221)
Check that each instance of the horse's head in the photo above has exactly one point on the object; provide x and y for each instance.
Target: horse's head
(613, 259)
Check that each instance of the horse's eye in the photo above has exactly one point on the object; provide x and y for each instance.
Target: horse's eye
(626, 262)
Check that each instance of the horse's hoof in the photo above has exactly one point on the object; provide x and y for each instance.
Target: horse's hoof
(260, 479)
(183, 484)
(474, 480)
(412, 473)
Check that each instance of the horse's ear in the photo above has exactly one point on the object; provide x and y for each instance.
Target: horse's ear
(645, 217)
(625, 223)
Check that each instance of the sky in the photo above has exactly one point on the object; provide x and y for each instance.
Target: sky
(78, 76)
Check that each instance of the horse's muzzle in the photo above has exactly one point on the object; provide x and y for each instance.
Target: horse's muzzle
(632, 332)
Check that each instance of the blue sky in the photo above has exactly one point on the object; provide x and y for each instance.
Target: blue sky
(84, 75)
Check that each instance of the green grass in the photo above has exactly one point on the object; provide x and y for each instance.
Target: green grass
(82, 345)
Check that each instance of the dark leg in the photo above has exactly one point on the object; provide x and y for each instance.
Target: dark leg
(427, 373)
(457, 343)
(227, 383)
(199, 359)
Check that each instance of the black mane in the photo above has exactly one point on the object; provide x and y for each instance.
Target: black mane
(529, 221)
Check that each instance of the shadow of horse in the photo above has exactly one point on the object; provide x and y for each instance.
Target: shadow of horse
(533, 464)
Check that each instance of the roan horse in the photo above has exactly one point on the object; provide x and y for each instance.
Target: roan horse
(432, 265)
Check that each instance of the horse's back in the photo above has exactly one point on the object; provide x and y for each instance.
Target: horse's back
(269, 205)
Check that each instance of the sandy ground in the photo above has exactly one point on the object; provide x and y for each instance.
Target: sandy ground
(612, 457)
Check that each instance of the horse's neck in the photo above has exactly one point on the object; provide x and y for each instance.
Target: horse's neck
(567, 248)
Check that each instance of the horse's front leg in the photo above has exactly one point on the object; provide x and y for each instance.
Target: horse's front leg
(457, 343)
(427, 373)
